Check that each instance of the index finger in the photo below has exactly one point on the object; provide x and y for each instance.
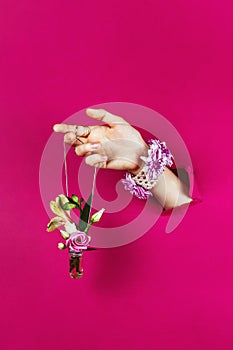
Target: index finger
(79, 130)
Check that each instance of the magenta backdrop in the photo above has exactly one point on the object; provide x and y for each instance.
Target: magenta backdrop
(168, 291)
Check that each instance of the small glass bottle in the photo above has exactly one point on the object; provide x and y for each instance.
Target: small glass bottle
(76, 268)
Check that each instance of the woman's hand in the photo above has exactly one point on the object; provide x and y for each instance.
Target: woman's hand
(115, 145)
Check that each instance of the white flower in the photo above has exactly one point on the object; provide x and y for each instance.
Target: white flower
(70, 227)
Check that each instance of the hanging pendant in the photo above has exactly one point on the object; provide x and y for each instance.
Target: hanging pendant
(75, 234)
(76, 268)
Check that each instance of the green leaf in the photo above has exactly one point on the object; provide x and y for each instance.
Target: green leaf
(75, 198)
(69, 206)
(84, 217)
(81, 203)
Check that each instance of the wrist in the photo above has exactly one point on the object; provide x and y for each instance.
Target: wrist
(147, 175)
(143, 151)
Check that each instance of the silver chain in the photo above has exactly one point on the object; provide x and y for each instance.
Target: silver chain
(66, 175)
(66, 172)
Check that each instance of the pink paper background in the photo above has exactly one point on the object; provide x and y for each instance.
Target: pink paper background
(162, 291)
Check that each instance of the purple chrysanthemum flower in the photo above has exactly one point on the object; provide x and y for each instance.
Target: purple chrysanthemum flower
(158, 158)
(138, 191)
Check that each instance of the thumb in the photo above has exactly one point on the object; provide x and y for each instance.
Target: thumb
(105, 116)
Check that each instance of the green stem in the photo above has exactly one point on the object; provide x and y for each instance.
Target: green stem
(87, 227)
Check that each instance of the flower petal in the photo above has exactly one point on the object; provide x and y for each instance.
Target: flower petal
(70, 227)
(55, 223)
(56, 209)
(62, 199)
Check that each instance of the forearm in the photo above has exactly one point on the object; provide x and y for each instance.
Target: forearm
(170, 191)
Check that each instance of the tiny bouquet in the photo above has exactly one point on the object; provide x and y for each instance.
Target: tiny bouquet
(76, 236)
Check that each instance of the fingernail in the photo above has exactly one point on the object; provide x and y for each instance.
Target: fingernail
(95, 146)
